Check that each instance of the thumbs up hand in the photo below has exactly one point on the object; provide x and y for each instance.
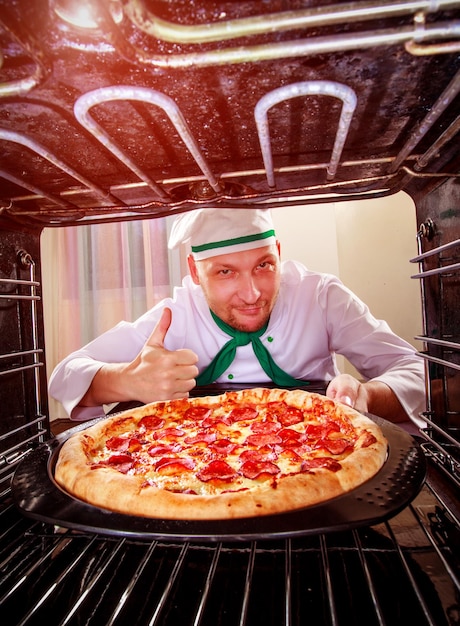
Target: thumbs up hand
(160, 374)
(155, 374)
(158, 335)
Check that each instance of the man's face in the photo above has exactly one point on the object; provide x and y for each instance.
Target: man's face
(240, 287)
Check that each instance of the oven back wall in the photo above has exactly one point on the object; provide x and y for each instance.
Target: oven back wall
(367, 244)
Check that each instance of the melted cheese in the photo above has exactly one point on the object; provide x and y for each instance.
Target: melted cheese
(202, 454)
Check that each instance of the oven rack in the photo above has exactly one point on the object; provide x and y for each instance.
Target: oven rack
(442, 449)
(376, 575)
(22, 365)
(439, 275)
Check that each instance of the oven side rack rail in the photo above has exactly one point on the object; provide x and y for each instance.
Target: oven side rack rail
(439, 273)
(18, 440)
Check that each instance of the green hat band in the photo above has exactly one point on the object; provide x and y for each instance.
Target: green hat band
(233, 242)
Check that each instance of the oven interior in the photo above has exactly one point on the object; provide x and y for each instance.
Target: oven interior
(152, 108)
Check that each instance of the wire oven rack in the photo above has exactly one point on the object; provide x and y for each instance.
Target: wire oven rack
(400, 571)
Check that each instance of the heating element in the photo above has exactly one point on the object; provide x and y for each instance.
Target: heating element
(154, 108)
(151, 108)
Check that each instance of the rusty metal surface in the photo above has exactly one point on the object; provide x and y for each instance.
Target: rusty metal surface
(402, 69)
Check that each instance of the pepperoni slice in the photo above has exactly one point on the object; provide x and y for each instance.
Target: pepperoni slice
(369, 439)
(135, 444)
(197, 413)
(315, 431)
(333, 426)
(160, 449)
(242, 413)
(265, 427)
(291, 416)
(299, 450)
(318, 462)
(217, 423)
(121, 462)
(169, 433)
(115, 459)
(320, 431)
(259, 441)
(291, 437)
(174, 465)
(118, 443)
(253, 469)
(334, 446)
(151, 422)
(202, 436)
(223, 446)
(287, 415)
(217, 470)
(293, 455)
(258, 455)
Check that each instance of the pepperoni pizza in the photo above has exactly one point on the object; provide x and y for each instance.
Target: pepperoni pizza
(240, 454)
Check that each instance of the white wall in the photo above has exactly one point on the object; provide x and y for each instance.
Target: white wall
(367, 244)
(308, 234)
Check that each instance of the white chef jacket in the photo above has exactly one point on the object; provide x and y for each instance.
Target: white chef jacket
(314, 318)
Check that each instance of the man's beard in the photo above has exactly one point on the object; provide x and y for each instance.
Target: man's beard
(243, 327)
(235, 323)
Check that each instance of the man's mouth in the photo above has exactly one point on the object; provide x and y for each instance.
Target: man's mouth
(251, 311)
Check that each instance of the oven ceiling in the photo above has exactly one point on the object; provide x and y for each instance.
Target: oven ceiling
(162, 106)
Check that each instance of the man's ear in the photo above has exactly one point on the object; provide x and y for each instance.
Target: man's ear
(193, 269)
(278, 245)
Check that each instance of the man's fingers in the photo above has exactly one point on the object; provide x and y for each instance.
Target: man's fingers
(159, 332)
(156, 339)
(343, 388)
(185, 357)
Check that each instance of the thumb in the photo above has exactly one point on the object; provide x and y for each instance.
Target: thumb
(159, 332)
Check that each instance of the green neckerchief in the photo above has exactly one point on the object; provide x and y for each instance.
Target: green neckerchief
(226, 355)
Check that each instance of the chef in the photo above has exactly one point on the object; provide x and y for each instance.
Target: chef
(243, 316)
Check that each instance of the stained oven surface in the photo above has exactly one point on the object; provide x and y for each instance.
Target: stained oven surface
(143, 109)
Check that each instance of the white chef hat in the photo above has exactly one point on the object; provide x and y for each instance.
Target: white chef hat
(211, 232)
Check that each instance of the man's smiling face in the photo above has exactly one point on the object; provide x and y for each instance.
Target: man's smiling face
(240, 287)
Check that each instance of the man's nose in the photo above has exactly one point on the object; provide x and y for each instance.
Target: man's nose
(248, 290)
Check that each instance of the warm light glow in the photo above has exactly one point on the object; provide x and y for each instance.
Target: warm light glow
(83, 18)
(80, 14)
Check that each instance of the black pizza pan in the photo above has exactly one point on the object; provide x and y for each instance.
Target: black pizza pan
(38, 496)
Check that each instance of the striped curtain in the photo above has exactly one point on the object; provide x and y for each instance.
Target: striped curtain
(95, 276)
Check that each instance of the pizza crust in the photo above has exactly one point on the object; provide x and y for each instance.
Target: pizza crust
(107, 488)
